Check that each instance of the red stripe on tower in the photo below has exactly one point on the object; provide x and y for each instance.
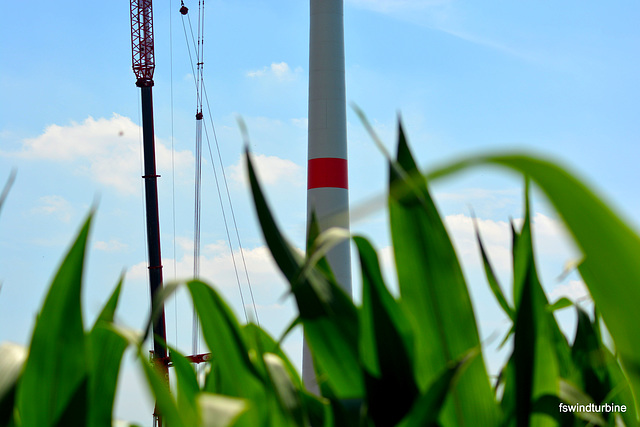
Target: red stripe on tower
(327, 172)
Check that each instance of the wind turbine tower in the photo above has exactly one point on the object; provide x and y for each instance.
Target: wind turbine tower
(327, 176)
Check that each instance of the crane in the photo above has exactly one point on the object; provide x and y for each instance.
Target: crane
(143, 61)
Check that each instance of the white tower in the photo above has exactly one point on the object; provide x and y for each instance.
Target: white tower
(327, 183)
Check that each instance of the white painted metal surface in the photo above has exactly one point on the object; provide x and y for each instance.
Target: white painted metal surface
(328, 194)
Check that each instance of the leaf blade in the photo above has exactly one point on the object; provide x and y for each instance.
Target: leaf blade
(611, 253)
(436, 298)
(51, 378)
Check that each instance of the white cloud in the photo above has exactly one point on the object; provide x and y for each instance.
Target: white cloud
(113, 245)
(54, 205)
(496, 237)
(279, 71)
(550, 239)
(271, 170)
(268, 286)
(216, 265)
(575, 290)
(302, 123)
(107, 151)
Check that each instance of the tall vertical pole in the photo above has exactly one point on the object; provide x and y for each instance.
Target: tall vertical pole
(327, 183)
(153, 221)
(143, 61)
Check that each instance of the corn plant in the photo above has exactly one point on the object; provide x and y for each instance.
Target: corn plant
(410, 360)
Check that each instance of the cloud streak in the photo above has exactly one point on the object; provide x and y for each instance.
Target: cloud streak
(279, 71)
(105, 150)
(550, 239)
(271, 171)
(441, 15)
(54, 205)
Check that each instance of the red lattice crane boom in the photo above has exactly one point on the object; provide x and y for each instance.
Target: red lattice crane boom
(142, 41)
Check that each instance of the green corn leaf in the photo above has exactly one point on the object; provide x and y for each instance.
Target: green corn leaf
(541, 353)
(212, 379)
(187, 388)
(53, 385)
(287, 393)
(386, 345)
(105, 349)
(220, 411)
(559, 304)
(590, 359)
(221, 330)
(318, 258)
(491, 277)
(600, 374)
(262, 343)
(611, 248)
(524, 354)
(237, 376)
(281, 409)
(572, 395)
(12, 358)
(317, 409)
(549, 405)
(157, 382)
(159, 385)
(506, 378)
(621, 392)
(435, 295)
(427, 408)
(328, 315)
(347, 413)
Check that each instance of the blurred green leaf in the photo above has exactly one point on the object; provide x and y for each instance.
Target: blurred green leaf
(559, 304)
(386, 345)
(491, 277)
(287, 393)
(53, 385)
(525, 355)
(427, 408)
(237, 375)
(105, 350)
(166, 406)
(220, 411)
(12, 358)
(549, 405)
(541, 352)
(621, 393)
(261, 345)
(262, 342)
(610, 267)
(572, 395)
(320, 246)
(590, 359)
(317, 255)
(187, 388)
(434, 296)
(329, 317)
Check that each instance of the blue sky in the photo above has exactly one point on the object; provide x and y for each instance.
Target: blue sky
(560, 79)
